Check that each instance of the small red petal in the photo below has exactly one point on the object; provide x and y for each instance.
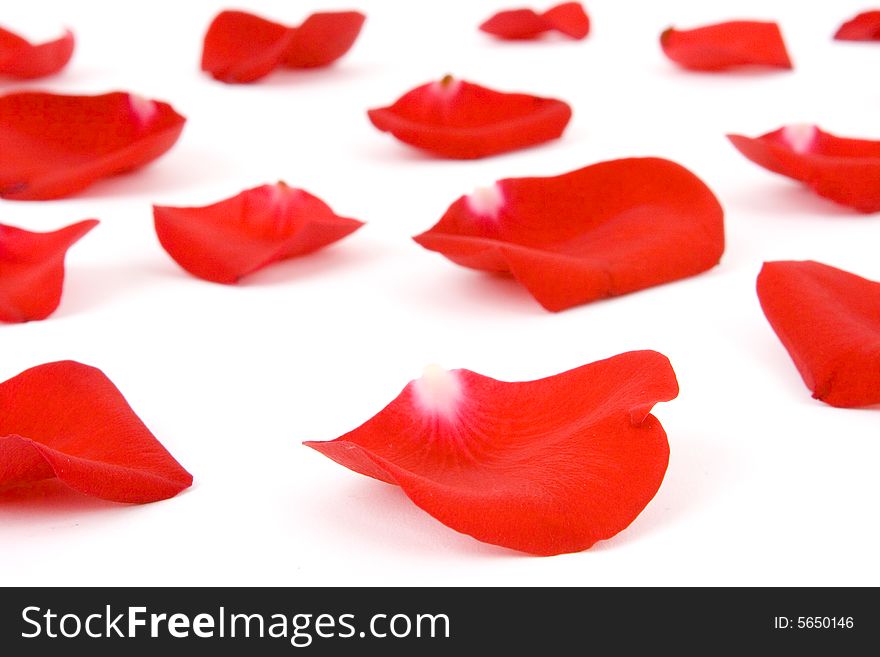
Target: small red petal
(54, 146)
(32, 270)
(323, 38)
(545, 467)
(569, 18)
(600, 231)
(236, 237)
(727, 45)
(241, 47)
(844, 170)
(23, 60)
(864, 27)
(829, 321)
(68, 420)
(515, 24)
(458, 119)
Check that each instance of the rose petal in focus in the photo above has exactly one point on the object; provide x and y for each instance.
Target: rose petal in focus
(457, 119)
(68, 420)
(32, 270)
(842, 169)
(604, 230)
(544, 467)
(829, 321)
(235, 237)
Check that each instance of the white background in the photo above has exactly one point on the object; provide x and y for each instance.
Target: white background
(765, 485)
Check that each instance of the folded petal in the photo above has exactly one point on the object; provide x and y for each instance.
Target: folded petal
(242, 47)
(829, 321)
(568, 18)
(323, 38)
(727, 45)
(545, 467)
(23, 60)
(235, 237)
(56, 145)
(842, 169)
(68, 420)
(863, 27)
(604, 230)
(32, 270)
(457, 119)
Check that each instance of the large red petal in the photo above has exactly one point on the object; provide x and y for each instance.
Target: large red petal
(545, 467)
(604, 230)
(829, 321)
(23, 60)
(32, 270)
(54, 146)
(235, 237)
(727, 45)
(69, 421)
(457, 119)
(241, 47)
(844, 170)
(864, 27)
(323, 38)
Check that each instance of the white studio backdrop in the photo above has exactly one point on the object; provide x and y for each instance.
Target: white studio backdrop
(765, 485)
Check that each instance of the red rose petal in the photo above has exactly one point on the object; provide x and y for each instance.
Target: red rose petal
(241, 47)
(604, 230)
(864, 27)
(235, 237)
(457, 119)
(829, 321)
(323, 38)
(23, 60)
(55, 145)
(568, 18)
(545, 467)
(32, 270)
(68, 420)
(727, 45)
(844, 170)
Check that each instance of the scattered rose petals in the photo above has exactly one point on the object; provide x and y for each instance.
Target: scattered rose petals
(568, 18)
(847, 171)
(23, 60)
(32, 270)
(236, 237)
(829, 321)
(240, 47)
(600, 231)
(457, 119)
(726, 45)
(545, 467)
(68, 420)
(55, 145)
(864, 27)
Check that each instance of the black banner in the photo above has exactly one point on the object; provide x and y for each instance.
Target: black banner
(419, 621)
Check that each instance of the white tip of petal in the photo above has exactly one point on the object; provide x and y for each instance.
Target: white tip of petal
(486, 201)
(800, 137)
(438, 391)
(144, 109)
